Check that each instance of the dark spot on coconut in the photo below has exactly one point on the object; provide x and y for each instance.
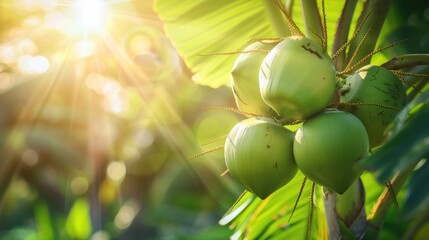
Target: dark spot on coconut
(268, 146)
(373, 78)
(395, 95)
(276, 166)
(386, 92)
(238, 96)
(377, 70)
(267, 131)
(262, 70)
(310, 50)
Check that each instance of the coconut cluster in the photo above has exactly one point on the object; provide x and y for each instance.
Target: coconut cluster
(296, 82)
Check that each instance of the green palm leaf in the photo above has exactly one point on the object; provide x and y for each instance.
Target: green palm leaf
(253, 218)
(204, 27)
(408, 143)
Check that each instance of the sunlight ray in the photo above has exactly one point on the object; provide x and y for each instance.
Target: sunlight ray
(48, 91)
(176, 133)
(67, 67)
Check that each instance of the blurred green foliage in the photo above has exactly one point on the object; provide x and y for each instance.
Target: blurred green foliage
(95, 145)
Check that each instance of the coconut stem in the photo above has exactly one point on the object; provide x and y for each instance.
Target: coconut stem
(342, 32)
(405, 81)
(346, 44)
(234, 110)
(294, 29)
(349, 208)
(276, 18)
(310, 215)
(324, 28)
(365, 59)
(406, 61)
(330, 214)
(368, 104)
(289, 6)
(298, 197)
(223, 137)
(409, 73)
(375, 21)
(205, 152)
(312, 22)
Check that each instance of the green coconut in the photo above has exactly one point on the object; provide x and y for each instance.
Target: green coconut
(375, 96)
(259, 154)
(297, 78)
(327, 147)
(245, 80)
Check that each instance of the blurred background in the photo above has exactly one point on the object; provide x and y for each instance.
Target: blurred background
(98, 116)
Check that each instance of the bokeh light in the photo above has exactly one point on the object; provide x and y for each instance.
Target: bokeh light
(79, 185)
(126, 214)
(100, 235)
(8, 53)
(28, 64)
(30, 157)
(116, 171)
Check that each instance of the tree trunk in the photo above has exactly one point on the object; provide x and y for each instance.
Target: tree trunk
(345, 214)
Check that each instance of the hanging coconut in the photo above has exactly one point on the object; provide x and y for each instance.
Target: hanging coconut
(297, 78)
(245, 79)
(327, 147)
(259, 154)
(375, 95)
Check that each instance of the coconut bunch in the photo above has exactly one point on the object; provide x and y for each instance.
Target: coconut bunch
(296, 81)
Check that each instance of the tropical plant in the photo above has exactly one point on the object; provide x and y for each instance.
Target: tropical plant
(389, 199)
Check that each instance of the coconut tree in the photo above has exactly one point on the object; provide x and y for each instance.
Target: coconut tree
(352, 86)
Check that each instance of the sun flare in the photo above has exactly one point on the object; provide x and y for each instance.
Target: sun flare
(90, 15)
